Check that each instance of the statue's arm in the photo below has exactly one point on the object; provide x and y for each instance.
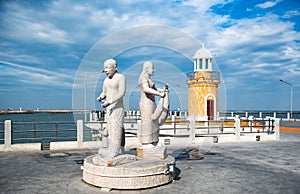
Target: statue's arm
(147, 89)
(153, 91)
(102, 96)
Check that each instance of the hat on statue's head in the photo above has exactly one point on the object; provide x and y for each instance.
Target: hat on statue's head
(111, 62)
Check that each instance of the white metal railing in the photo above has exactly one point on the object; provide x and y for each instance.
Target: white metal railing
(282, 115)
(175, 128)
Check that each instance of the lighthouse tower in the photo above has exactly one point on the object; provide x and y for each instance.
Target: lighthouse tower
(203, 87)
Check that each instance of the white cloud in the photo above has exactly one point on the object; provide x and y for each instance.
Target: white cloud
(202, 6)
(268, 4)
(36, 76)
(256, 30)
(12, 55)
(291, 13)
(48, 33)
(250, 36)
(291, 53)
(29, 26)
(257, 46)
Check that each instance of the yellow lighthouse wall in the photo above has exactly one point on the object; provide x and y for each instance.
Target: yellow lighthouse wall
(197, 96)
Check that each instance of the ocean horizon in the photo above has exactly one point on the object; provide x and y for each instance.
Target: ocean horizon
(72, 115)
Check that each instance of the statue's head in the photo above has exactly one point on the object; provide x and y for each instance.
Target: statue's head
(110, 67)
(148, 67)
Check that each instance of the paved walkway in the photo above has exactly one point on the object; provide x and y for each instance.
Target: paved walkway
(253, 167)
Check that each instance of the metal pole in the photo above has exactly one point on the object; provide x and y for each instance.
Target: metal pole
(56, 130)
(291, 101)
(34, 130)
(291, 85)
(85, 118)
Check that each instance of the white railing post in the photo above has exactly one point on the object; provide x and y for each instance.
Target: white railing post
(7, 135)
(79, 132)
(277, 128)
(250, 123)
(192, 130)
(237, 126)
(174, 123)
(91, 116)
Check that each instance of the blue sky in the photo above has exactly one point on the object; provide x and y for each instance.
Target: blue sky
(45, 46)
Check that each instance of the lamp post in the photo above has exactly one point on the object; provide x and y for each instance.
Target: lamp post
(291, 85)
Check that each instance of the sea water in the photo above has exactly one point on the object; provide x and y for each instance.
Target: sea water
(42, 127)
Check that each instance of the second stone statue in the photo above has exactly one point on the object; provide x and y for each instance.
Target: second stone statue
(152, 115)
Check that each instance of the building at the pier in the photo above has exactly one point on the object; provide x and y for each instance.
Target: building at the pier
(203, 86)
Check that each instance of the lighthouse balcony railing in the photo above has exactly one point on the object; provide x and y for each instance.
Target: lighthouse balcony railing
(214, 76)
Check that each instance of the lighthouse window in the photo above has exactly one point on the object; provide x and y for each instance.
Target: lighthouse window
(200, 64)
(206, 63)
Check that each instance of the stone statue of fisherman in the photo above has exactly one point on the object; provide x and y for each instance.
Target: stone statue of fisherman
(152, 116)
(114, 87)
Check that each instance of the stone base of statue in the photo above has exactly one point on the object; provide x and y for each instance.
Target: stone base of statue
(118, 160)
(119, 173)
(150, 151)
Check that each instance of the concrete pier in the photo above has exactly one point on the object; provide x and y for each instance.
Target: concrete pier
(233, 167)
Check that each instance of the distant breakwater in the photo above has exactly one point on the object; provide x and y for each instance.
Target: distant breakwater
(41, 111)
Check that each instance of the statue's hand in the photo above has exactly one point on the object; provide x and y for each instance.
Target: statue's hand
(162, 94)
(167, 88)
(105, 104)
(99, 99)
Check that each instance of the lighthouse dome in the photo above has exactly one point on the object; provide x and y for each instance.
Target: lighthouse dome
(202, 60)
(202, 53)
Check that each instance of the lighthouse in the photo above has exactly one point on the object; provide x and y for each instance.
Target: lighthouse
(203, 87)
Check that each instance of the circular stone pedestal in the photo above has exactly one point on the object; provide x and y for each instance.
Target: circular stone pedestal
(143, 173)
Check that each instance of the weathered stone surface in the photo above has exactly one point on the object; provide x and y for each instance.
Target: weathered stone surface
(121, 159)
(152, 152)
(152, 115)
(114, 87)
(143, 173)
